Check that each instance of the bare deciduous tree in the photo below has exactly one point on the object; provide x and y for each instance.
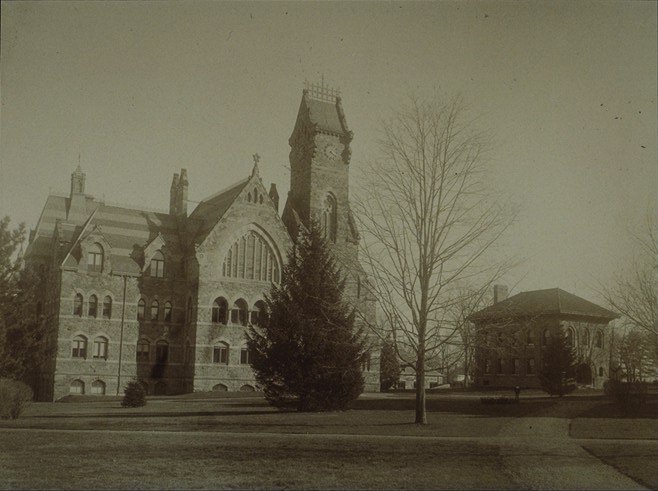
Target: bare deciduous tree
(427, 218)
(634, 293)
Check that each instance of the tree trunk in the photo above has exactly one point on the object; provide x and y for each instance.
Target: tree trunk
(421, 414)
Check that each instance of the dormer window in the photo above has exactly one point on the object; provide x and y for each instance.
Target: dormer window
(157, 265)
(95, 259)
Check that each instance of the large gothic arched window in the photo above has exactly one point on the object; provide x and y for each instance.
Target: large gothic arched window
(251, 258)
(328, 220)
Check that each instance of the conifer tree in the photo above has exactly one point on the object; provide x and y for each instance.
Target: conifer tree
(558, 367)
(389, 373)
(308, 354)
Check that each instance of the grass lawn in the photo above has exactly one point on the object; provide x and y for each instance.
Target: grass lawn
(237, 441)
(637, 461)
(465, 417)
(199, 460)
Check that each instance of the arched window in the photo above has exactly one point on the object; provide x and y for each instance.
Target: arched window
(79, 347)
(98, 387)
(92, 311)
(530, 336)
(239, 312)
(141, 309)
(601, 372)
(219, 310)
(162, 351)
(107, 307)
(77, 305)
(167, 311)
(155, 310)
(569, 336)
(546, 336)
(599, 339)
(77, 387)
(530, 366)
(157, 265)
(251, 258)
(219, 388)
(247, 388)
(328, 220)
(365, 362)
(246, 356)
(100, 348)
(95, 259)
(220, 353)
(249, 197)
(259, 313)
(143, 350)
(585, 337)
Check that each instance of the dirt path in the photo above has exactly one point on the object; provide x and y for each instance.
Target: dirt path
(539, 454)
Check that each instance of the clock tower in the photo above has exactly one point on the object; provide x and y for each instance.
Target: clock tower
(319, 190)
(319, 162)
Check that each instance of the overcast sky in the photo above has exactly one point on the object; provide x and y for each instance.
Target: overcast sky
(137, 90)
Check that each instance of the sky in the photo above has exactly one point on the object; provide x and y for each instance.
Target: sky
(135, 91)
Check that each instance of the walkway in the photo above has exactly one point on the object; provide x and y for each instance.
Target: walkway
(539, 454)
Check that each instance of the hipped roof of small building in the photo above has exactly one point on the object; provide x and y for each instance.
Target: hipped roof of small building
(553, 301)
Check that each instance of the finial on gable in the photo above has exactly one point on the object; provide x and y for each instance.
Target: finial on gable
(254, 171)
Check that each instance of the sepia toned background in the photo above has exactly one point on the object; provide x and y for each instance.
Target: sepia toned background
(133, 91)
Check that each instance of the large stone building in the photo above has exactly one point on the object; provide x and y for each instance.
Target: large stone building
(165, 298)
(513, 331)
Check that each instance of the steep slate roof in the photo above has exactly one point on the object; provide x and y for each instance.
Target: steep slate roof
(209, 211)
(544, 302)
(325, 115)
(123, 228)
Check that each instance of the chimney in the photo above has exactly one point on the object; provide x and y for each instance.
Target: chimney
(173, 192)
(274, 196)
(500, 293)
(183, 192)
(178, 194)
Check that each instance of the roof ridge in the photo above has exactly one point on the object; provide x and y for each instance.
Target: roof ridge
(225, 189)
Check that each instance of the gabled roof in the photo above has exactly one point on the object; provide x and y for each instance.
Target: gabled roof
(209, 211)
(553, 301)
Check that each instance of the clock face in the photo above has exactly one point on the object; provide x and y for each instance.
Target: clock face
(331, 151)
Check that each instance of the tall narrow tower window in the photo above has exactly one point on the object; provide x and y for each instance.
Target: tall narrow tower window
(328, 220)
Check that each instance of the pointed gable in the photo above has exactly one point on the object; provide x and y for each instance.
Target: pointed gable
(210, 211)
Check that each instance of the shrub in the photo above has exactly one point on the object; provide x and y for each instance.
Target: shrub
(15, 396)
(134, 395)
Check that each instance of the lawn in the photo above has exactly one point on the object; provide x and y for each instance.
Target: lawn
(200, 460)
(237, 441)
(374, 415)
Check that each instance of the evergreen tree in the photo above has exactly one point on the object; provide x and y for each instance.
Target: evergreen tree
(389, 373)
(22, 324)
(559, 366)
(308, 354)
(134, 395)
